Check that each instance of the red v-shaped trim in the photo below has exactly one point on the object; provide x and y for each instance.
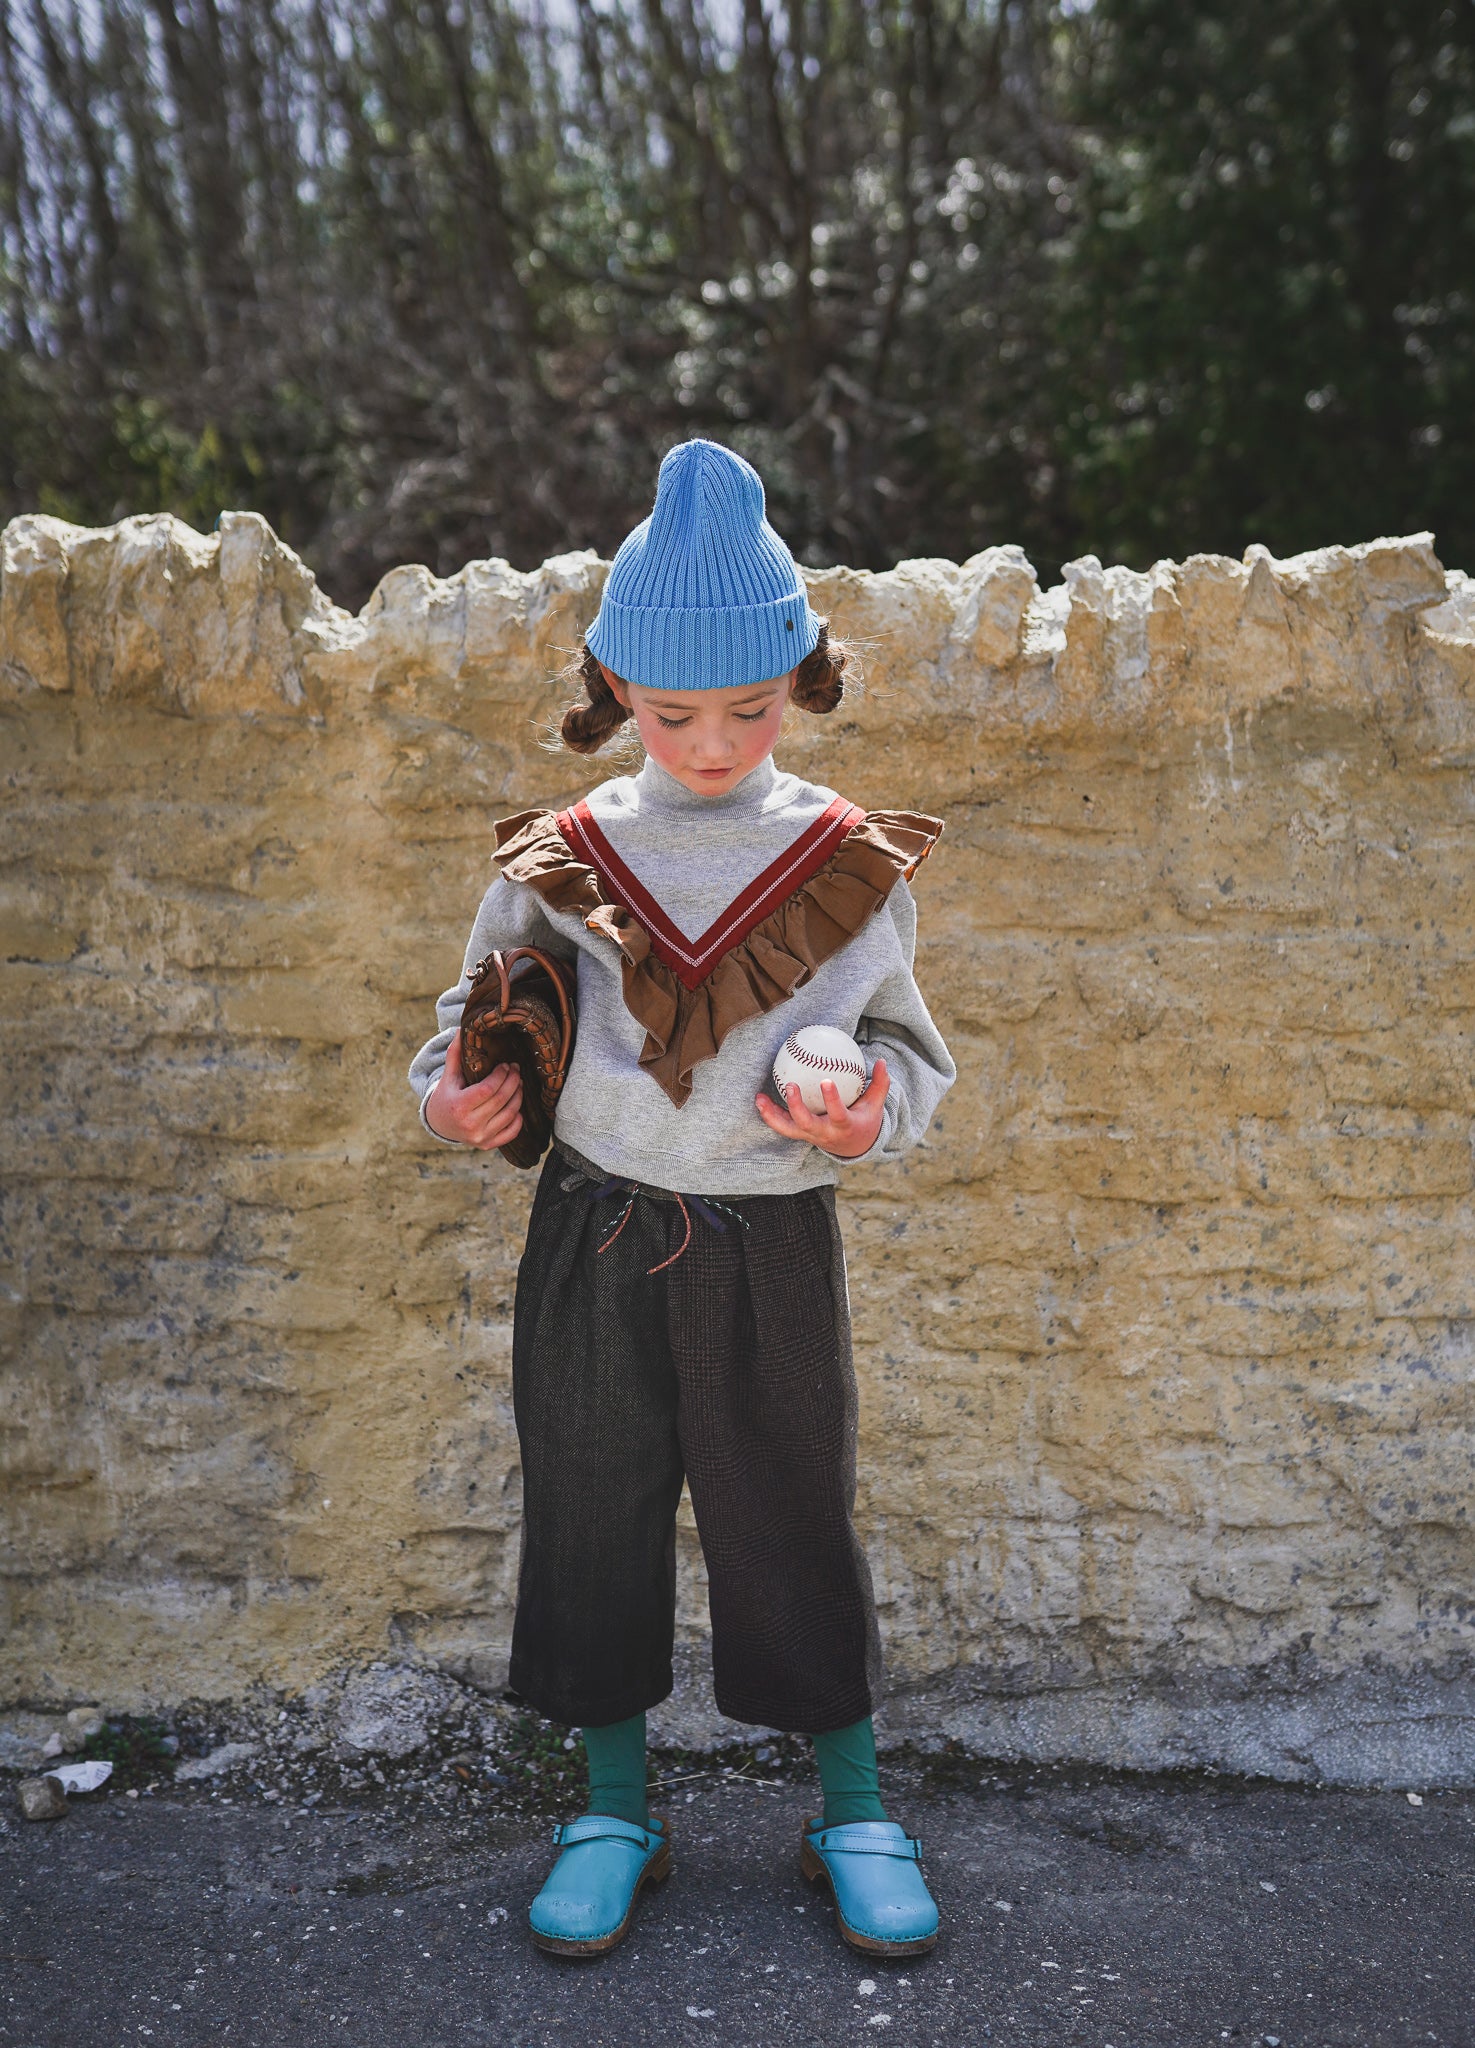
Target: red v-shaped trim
(692, 960)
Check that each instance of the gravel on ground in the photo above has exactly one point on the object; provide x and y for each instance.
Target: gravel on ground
(1080, 1909)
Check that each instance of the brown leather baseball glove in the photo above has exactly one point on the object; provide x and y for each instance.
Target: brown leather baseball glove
(527, 1018)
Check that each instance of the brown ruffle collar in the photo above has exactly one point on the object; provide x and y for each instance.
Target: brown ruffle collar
(684, 1026)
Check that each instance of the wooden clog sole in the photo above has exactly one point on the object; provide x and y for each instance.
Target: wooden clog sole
(655, 1872)
(814, 1869)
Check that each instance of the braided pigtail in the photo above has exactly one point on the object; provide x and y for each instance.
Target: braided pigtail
(818, 685)
(587, 726)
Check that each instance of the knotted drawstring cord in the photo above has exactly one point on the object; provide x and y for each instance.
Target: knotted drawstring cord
(706, 1209)
(686, 1219)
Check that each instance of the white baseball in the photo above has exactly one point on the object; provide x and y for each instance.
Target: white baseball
(820, 1053)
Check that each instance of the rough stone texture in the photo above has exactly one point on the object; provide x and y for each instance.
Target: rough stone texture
(219, 1762)
(40, 1799)
(27, 1740)
(82, 1724)
(1165, 1338)
(384, 1712)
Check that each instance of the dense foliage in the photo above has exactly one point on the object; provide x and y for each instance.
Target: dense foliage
(432, 279)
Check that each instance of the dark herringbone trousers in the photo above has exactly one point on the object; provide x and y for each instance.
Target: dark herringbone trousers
(731, 1368)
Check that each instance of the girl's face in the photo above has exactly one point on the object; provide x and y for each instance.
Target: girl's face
(708, 739)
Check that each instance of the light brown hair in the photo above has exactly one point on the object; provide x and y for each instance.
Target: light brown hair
(587, 725)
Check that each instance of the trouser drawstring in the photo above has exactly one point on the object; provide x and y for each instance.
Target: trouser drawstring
(706, 1208)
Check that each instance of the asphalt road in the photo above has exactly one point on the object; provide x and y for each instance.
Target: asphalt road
(1113, 1913)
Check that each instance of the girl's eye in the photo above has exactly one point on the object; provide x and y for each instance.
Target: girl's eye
(746, 717)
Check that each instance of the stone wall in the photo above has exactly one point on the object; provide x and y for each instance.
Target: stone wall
(1165, 1338)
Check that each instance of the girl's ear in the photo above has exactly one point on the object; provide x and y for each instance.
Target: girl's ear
(619, 689)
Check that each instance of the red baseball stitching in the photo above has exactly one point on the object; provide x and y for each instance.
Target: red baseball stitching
(826, 1062)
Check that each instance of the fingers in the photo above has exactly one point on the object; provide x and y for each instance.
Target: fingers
(797, 1120)
(876, 1089)
(843, 1131)
(455, 1075)
(501, 1130)
(498, 1117)
(777, 1119)
(490, 1092)
(818, 1124)
(806, 1119)
(837, 1111)
(493, 1089)
(488, 1113)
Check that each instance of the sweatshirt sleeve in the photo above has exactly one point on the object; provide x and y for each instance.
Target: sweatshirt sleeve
(897, 1026)
(510, 915)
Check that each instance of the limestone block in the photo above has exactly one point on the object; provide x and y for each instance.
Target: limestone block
(998, 587)
(34, 650)
(41, 1799)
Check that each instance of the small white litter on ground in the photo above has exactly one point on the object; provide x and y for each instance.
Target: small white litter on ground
(80, 1777)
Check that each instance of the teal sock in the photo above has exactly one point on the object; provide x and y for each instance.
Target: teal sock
(617, 1770)
(847, 1771)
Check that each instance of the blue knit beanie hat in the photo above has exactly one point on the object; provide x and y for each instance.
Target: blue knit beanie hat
(703, 595)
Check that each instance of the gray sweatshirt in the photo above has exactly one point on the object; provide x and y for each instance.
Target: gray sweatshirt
(695, 855)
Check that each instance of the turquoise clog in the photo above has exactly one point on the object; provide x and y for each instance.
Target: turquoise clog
(589, 1899)
(882, 1904)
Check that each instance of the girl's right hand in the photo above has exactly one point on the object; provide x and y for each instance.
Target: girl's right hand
(487, 1114)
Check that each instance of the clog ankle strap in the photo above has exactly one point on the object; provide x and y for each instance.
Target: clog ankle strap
(864, 1838)
(599, 1827)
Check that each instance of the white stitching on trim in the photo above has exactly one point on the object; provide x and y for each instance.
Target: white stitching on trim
(714, 944)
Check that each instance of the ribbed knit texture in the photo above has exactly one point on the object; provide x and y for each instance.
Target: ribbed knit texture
(616, 1755)
(704, 595)
(848, 1773)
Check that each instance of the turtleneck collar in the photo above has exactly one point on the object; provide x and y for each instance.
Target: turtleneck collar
(661, 791)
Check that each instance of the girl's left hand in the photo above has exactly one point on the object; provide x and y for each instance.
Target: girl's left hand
(843, 1133)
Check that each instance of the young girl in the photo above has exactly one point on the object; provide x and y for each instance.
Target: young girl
(681, 1306)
